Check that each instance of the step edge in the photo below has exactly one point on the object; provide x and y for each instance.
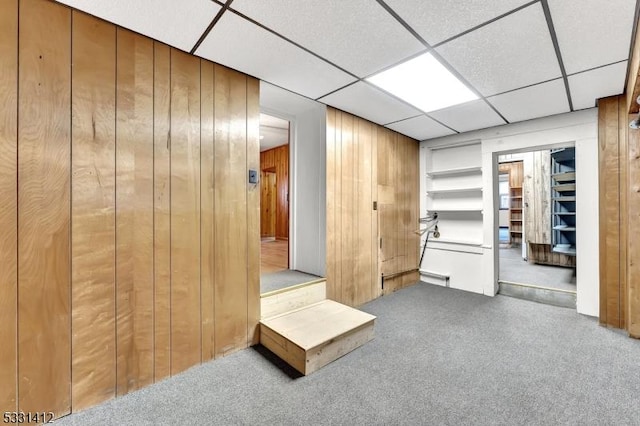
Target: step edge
(292, 288)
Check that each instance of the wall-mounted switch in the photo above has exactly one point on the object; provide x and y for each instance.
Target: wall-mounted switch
(253, 176)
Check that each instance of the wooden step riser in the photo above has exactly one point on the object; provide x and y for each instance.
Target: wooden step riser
(309, 361)
(280, 302)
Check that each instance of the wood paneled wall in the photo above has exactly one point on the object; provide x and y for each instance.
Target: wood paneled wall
(367, 163)
(277, 160)
(137, 250)
(398, 206)
(619, 219)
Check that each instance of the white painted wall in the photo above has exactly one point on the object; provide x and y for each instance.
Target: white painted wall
(309, 192)
(579, 129)
(307, 179)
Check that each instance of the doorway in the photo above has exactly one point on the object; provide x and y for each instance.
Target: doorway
(275, 201)
(536, 226)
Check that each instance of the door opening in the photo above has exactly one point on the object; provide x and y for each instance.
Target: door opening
(536, 226)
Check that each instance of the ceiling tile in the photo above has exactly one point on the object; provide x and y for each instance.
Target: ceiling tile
(532, 102)
(179, 24)
(592, 32)
(279, 100)
(357, 35)
(368, 102)
(241, 45)
(420, 128)
(438, 20)
(588, 86)
(512, 52)
(468, 116)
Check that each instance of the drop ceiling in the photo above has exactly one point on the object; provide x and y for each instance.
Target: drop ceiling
(524, 59)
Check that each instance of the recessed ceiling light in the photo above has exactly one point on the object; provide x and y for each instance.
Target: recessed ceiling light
(424, 83)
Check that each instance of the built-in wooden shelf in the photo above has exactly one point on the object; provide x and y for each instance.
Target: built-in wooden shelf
(565, 198)
(459, 171)
(564, 228)
(516, 232)
(565, 213)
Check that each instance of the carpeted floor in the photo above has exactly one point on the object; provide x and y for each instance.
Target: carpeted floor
(282, 279)
(514, 268)
(440, 356)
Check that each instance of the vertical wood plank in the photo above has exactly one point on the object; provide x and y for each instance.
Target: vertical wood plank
(44, 322)
(231, 211)
(413, 185)
(207, 211)
(365, 216)
(332, 232)
(376, 289)
(162, 210)
(9, 205)
(348, 210)
(609, 204)
(253, 211)
(93, 211)
(185, 212)
(134, 211)
(632, 229)
(623, 161)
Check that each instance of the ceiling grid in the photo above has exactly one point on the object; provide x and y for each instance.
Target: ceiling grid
(520, 58)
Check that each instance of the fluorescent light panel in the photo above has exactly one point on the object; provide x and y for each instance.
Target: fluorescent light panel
(424, 83)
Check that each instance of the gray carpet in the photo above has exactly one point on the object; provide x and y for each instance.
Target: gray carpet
(282, 279)
(440, 356)
(514, 268)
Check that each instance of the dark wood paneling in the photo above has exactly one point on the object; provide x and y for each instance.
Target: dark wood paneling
(93, 211)
(277, 160)
(207, 212)
(134, 211)
(608, 139)
(231, 320)
(253, 212)
(185, 212)
(631, 232)
(44, 321)
(9, 204)
(162, 210)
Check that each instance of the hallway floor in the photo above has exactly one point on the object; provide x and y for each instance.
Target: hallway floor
(440, 356)
(273, 255)
(515, 269)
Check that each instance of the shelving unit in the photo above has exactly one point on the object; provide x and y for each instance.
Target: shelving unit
(563, 197)
(515, 214)
(454, 191)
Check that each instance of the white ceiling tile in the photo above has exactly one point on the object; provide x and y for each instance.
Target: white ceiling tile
(468, 116)
(357, 35)
(532, 102)
(179, 24)
(279, 100)
(420, 128)
(239, 44)
(368, 102)
(588, 86)
(592, 32)
(512, 52)
(439, 20)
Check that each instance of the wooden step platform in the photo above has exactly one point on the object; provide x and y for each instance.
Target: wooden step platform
(311, 337)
